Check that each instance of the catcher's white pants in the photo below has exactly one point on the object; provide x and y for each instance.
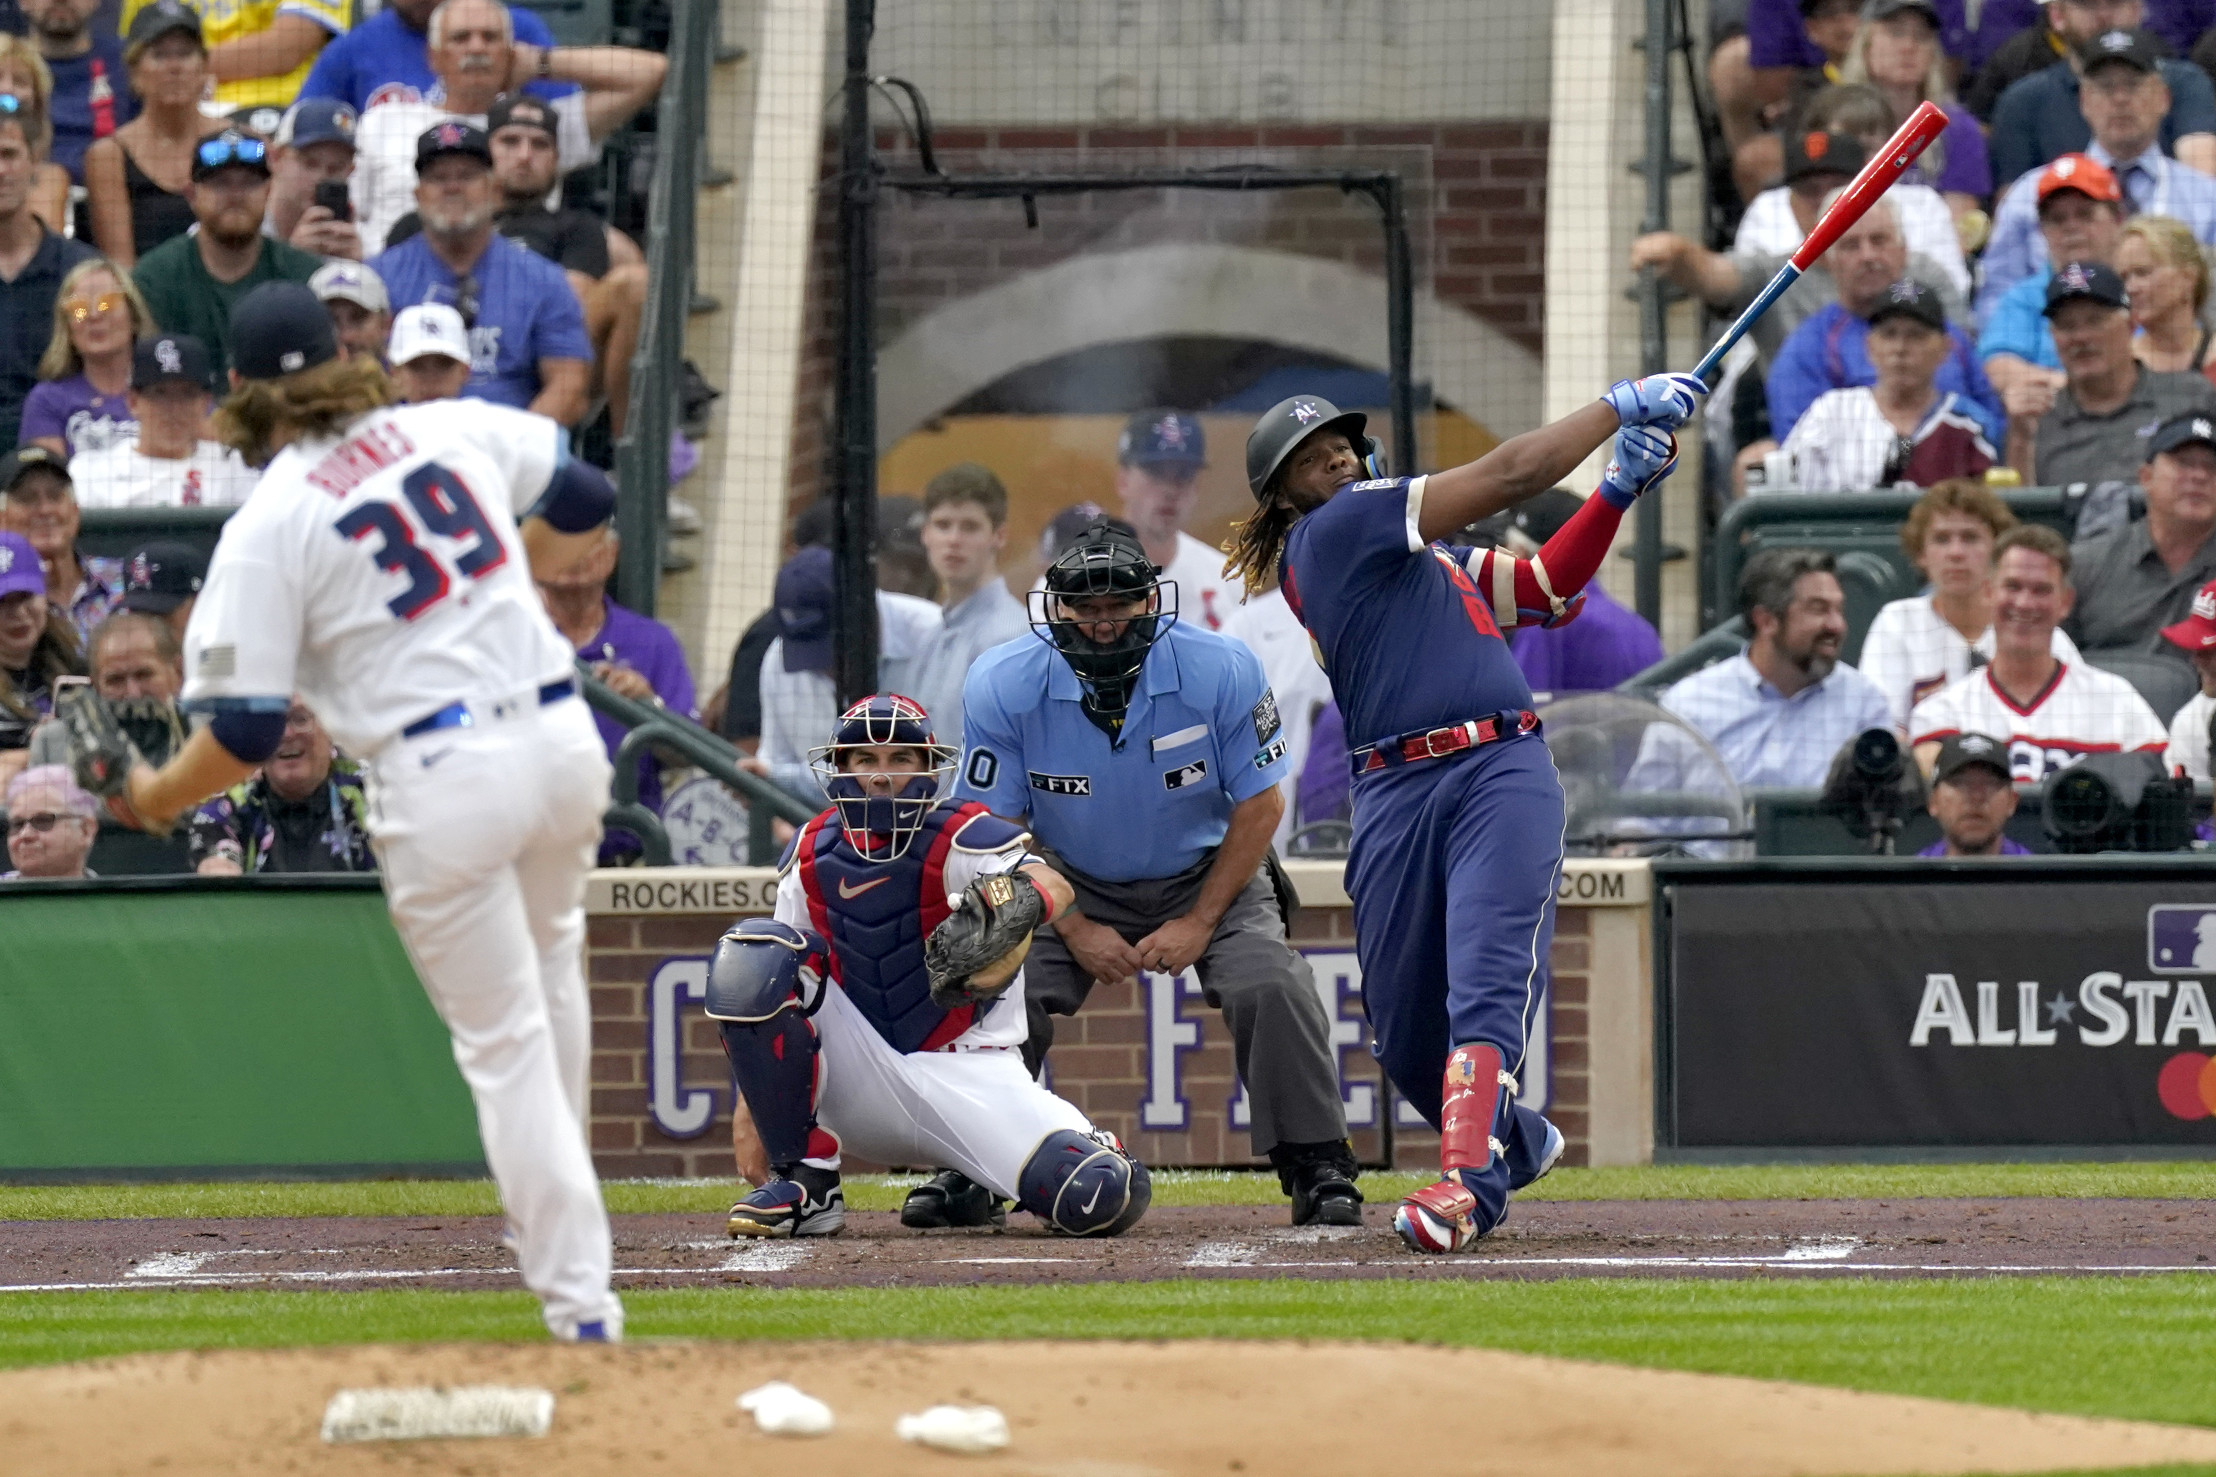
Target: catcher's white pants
(976, 1111)
(485, 835)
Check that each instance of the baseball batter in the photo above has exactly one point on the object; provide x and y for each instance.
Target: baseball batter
(881, 1007)
(379, 569)
(1457, 809)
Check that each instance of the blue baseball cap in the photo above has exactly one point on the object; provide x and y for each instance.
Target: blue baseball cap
(1157, 438)
(805, 592)
(20, 573)
(316, 120)
(280, 328)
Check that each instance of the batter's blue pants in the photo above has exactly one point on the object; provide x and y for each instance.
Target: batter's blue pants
(1453, 873)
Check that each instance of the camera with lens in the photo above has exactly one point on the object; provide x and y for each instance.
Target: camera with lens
(2118, 802)
(1873, 788)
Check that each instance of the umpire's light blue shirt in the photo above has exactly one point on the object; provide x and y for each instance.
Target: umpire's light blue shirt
(1201, 736)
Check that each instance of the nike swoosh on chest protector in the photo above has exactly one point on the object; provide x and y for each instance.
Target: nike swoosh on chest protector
(855, 892)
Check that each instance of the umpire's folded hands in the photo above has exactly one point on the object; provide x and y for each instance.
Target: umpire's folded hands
(1098, 949)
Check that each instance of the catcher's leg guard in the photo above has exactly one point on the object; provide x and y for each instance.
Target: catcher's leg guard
(1453, 1213)
(775, 1063)
(1084, 1185)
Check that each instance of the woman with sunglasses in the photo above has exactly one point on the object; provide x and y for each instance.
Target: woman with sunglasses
(78, 403)
(138, 176)
(27, 85)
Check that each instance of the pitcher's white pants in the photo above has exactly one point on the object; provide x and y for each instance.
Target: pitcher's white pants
(484, 835)
(976, 1111)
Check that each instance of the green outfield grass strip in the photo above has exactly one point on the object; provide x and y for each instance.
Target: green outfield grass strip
(2157, 1180)
(2136, 1348)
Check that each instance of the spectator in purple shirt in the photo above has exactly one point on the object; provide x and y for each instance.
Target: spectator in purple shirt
(80, 402)
(1897, 51)
(1604, 645)
(1972, 799)
(1324, 790)
(635, 654)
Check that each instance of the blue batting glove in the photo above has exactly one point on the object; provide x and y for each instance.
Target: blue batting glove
(1665, 400)
(1643, 457)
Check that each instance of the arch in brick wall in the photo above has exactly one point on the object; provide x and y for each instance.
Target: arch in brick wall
(1225, 291)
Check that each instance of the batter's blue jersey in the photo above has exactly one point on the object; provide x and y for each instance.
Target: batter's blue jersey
(1408, 639)
(1202, 734)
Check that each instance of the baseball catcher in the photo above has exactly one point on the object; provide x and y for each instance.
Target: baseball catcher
(881, 1007)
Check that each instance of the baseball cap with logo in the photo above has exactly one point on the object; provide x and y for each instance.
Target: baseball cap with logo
(452, 137)
(162, 576)
(2095, 280)
(171, 356)
(1964, 750)
(804, 596)
(2182, 430)
(350, 282)
(425, 329)
(2082, 173)
(315, 120)
(2135, 49)
(1909, 298)
(522, 110)
(20, 573)
(2197, 632)
(156, 21)
(280, 328)
(1821, 153)
(22, 461)
(1162, 438)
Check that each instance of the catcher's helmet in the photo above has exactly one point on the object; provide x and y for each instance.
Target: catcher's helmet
(1289, 422)
(1106, 559)
(880, 828)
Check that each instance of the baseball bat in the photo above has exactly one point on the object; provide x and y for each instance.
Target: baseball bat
(1877, 176)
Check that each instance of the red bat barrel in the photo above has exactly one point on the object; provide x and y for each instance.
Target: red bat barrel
(1877, 176)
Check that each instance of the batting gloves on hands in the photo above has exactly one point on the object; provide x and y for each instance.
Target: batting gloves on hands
(1665, 400)
(1643, 456)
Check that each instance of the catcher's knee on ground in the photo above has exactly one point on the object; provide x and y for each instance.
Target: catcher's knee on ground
(1083, 1187)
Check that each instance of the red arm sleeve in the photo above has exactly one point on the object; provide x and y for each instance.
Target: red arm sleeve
(1562, 569)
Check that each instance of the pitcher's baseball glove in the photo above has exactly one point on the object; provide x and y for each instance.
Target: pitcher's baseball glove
(100, 753)
(973, 956)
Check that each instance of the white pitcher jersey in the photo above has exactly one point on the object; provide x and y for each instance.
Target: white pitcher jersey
(380, 574)
(1912, 651)
(2082, 711)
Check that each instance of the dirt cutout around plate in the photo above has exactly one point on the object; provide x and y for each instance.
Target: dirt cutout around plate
(1080, 1409)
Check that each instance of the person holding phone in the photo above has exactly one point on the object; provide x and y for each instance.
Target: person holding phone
(311, 158)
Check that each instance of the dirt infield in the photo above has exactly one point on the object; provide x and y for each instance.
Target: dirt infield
(1080, 1410)
(1541, 1240)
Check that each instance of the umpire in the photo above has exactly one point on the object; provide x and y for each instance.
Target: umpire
(1144, 754)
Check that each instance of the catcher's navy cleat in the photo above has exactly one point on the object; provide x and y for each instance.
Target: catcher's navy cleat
(801, 1201)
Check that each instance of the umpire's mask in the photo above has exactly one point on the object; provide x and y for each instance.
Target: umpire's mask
(1106, 561)
(880, 828)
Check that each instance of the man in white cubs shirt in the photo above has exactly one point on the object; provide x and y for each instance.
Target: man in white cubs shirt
(380, 571)
(2196, 637)
(2049, 712)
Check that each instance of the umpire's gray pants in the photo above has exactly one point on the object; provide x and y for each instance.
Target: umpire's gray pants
(1280, 1037)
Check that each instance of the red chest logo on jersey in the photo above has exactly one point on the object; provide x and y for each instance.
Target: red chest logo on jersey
(1472, 603)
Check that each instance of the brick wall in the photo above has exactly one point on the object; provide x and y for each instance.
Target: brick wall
(1476, 202)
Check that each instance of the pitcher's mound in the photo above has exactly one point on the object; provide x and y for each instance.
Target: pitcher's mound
(1080, 1409)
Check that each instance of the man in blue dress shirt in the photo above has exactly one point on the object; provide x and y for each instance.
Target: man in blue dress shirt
(1144, 753)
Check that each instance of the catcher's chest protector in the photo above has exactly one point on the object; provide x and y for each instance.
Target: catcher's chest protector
(877, 915)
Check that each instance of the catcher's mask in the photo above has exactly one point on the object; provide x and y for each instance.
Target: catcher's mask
(1107, 559)
(1291, 421)
(881, 828)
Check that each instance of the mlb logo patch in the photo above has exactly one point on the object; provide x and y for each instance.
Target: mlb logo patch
(2181, 938)
(1179, 778)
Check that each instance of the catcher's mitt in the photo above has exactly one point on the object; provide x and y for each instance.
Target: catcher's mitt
(100, 753)
(974, 955)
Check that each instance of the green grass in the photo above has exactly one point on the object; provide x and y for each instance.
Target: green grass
(2159, 1180)
(2136, 1347)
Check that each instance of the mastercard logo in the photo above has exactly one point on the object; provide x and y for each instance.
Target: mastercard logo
(2187, 1085)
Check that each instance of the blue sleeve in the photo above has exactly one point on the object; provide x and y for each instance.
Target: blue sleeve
(2011, 256)
(333, 72)
(1795, 377)
(578, 498)
(1249, 733)
(558, 328)
(2012, 140)
(2192, 102)
(992, 762)
(1984, 398)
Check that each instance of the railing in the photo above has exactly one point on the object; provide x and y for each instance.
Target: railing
(642, 456)
(650, 726)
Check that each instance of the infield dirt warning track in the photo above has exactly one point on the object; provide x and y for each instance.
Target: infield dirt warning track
(1802, 1238)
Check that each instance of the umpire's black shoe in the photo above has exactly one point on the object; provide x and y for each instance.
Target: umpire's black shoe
(1320, 1179)
(952, 1198)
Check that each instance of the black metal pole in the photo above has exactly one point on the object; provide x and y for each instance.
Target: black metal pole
(1400, 328)
(1654, 348)
(855, 416)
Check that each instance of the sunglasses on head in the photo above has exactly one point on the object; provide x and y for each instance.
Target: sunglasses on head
(216, 152)
(79, 309)
(42, 822)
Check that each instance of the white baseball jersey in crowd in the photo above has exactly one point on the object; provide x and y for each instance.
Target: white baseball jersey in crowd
(123, 476)
(970, 1106)
(2187, 753)
(382, 577)
(2082, 711)
(1912, 651)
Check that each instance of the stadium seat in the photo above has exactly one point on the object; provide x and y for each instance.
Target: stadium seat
(112, 533)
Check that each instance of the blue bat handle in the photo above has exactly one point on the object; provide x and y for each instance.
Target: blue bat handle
(1786, 277)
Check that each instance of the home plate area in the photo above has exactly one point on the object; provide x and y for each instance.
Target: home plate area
(1543, 1240)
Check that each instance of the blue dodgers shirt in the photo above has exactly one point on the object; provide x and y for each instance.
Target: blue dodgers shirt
(382, 61)
(1407, 639)
(1202, 735)
(526, 311)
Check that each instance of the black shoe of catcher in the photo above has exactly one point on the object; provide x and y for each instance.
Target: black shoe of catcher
(952, 1198)
(1320, 1180)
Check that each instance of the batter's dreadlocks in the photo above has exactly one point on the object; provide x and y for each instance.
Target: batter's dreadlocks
(262, 415)
(1256, 542)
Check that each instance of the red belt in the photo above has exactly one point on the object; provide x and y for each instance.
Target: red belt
(1436, 743)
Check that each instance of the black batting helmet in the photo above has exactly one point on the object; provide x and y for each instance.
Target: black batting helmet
(1106, 559)
(1289, 422)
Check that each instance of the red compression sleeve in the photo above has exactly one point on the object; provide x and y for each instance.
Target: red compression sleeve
(1571, 557)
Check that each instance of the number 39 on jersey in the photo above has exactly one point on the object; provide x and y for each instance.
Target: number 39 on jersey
(449, 540)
